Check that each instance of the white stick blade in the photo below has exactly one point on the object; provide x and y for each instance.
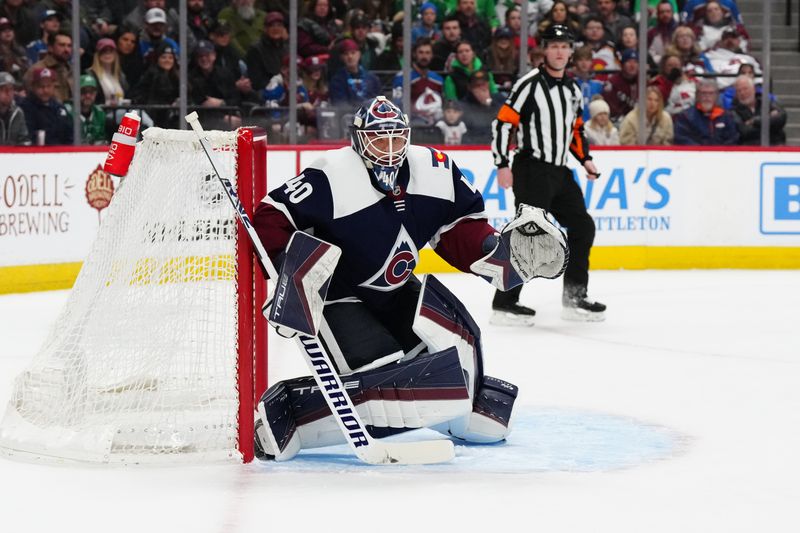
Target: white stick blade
(410, 453)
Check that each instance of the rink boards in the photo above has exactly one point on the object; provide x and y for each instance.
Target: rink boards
(657, 208)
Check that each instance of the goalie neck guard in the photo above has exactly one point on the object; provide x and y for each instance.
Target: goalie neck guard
(380, 134)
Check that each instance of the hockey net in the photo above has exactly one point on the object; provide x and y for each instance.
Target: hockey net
(159, 352)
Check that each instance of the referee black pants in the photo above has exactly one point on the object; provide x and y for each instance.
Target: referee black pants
(554, 189)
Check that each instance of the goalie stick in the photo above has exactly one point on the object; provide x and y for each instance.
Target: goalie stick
(366, 448)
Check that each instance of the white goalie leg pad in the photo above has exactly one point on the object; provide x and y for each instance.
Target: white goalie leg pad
(443, 322)
(408, 415)
(425, 391)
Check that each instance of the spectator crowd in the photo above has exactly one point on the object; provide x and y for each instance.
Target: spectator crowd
(704, 88)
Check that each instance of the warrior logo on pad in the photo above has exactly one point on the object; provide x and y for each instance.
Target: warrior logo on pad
(402, 259)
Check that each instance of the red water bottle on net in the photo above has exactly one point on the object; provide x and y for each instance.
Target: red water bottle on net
(123, 144)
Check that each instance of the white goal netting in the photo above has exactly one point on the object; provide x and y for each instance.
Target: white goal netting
(141, 365)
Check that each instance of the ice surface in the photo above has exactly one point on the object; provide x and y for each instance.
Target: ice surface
(680, 413)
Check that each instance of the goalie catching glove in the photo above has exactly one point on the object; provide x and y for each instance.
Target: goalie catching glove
(302, 285)
(530, 246)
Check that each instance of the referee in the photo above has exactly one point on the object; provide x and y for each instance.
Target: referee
(545, 107)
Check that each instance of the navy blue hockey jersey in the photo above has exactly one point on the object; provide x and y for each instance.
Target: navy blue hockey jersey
(380, 234)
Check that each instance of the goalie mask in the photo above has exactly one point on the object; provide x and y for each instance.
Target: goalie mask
(380, 134)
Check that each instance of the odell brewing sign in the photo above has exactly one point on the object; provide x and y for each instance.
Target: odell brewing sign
(99, 189)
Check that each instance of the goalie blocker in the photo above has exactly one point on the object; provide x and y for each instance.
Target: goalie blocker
(302, 285)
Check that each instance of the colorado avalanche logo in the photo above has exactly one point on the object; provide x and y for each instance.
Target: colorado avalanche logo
(402, 259)
(383, 111)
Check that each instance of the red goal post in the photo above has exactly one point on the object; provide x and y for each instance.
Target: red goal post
(252, 371)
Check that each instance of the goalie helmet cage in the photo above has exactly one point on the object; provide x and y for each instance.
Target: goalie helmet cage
(159, 354)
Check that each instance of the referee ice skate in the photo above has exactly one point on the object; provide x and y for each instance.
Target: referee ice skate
(545, 107)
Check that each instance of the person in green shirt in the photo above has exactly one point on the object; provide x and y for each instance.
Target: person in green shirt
(93, 118)
(485, 9)
(246, 23)
(456, 84)
(651, 9)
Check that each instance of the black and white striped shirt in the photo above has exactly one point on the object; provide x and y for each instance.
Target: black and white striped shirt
(547, 113)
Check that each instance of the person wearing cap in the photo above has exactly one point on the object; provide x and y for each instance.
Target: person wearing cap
(465, 63)
(160, 84)
(12, 56)
(599, 129)
(480, 108)
(107, 72)
(49, 23)
(352, 84)
(93, 118)
(22, 17)
(264, 58)
(13, 128)
(57, 60)
(154, 34)
(312, 74)
(545, 108)
(211, 86)
(485, 10)
(46, 117)
(138, 17)
(246, 22)
(727, 56)
(426, 25)
(227, 57)
(621, 91)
